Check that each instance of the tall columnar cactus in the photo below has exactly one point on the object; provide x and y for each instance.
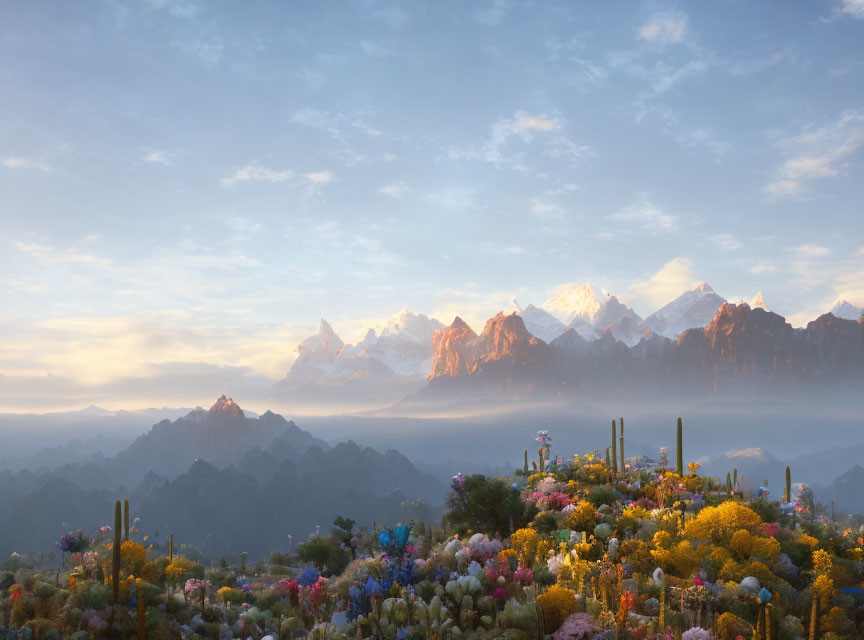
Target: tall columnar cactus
(735, 477)
(115, 556)
(679, 454)
(728, 481)
(608, 462)
(125, 519)
(171, 548)
(525, 467)
(614, 449)
(540, 453)
(621, 447)
(142, 609)
(788, 496)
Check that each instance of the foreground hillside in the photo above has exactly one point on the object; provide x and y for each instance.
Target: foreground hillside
(573, 546)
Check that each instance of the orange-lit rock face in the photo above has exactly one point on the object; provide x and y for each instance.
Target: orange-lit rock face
(458, 350)
(226, 406)
(453, 347)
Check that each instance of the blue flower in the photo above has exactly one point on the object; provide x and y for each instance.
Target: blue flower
(402, 533)
(309, 577)
(384, 539)
(373, 588)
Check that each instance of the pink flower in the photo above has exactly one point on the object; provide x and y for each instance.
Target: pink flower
(499, 594)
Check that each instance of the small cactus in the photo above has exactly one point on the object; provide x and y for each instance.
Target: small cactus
(614, 449)
(115, 559)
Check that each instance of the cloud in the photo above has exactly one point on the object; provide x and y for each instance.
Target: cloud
(668, 283)
(510, 138)
(664, 28)
(395, 190)
(60, 255)
(514, 250)
(650, 217)
(374, 50)
(811, 251)
(156, 156)
(763, 267)
(26, 163)
(817, 153)
(254, 172)
(726, 242)
(320, 177)
(847, 9)
(544, 209)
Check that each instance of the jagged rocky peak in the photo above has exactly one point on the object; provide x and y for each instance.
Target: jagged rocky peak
(692, 309)
(226, 406)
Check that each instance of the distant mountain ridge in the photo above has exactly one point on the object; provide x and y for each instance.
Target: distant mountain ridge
(741, 353)
(214, 472)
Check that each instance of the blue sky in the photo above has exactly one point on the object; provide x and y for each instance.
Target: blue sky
(189, 185)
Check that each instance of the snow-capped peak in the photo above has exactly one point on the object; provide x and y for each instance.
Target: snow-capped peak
(572, 301)
(410, 326)
(324, 340)
(692, 309)
(758, 302)
(846, 310)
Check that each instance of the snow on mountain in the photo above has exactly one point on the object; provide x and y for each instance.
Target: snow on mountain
(692, 309)
(539, 322)
(846, 310)
(405, 343)
(590, 310)
(572, 301)
(402, 347)
(758, 302)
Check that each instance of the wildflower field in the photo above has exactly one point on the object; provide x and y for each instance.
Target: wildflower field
(574, 547)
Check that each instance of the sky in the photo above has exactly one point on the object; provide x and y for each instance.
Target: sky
(186, 188)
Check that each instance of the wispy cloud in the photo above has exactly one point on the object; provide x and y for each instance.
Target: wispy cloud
(320, 177)
(817, 153)
(726, 241)
(395, 190)
(156, 156)
(667, 28)
(509, 139)
(811, 251)
(254, 172)
(763, 267)
(665, 285)
(48, 254)
(648, 216)
(847, 9)
(544, 209)
(18, 162)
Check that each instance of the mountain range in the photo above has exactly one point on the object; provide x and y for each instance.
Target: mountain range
(579, 326)
(210, 474)
(741, 354)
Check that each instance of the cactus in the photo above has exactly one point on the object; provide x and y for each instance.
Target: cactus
(171, 548)
(142, 608)
(115, 557)
(621, 447)
(728, 482)
(525, 468)
(735, 477)
(608, 462)
(125, 519)
(788, 496)
(614, 450)
(542, 466)
(243, 563)
(679, 454)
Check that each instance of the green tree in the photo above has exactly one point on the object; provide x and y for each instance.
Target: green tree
(487, 505)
